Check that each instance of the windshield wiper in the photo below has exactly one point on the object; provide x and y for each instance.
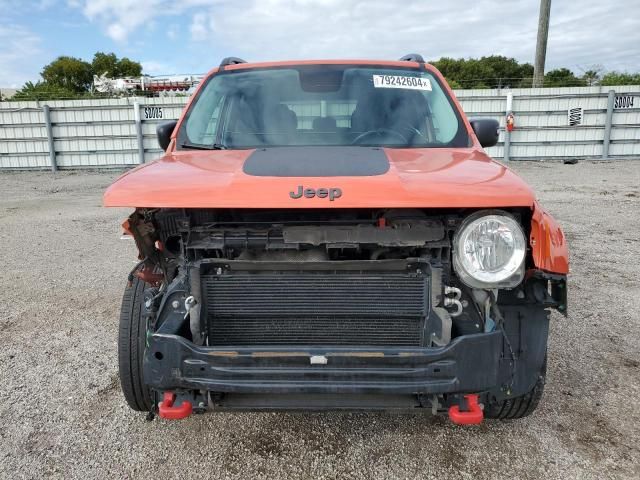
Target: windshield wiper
(195, 146)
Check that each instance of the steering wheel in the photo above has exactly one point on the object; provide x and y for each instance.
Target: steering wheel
(412, 131)
(378, 132)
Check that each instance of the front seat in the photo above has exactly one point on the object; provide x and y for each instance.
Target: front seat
(324, 125)
(281, 124)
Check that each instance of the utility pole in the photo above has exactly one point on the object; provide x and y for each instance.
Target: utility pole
(541, 44)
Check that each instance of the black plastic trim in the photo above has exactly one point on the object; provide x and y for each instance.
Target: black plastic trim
(317, 162)
(412, 57)
(164, 131)
(231, 61)
(486, 129)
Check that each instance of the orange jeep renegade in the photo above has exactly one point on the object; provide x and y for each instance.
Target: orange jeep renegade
(331, 235)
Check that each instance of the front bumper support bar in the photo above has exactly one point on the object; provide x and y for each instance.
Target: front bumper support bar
(470, 363)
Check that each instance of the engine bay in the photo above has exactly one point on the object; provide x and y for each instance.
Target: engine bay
(333, 277)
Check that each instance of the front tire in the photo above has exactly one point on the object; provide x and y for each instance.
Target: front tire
(131, 347)
(521, 406)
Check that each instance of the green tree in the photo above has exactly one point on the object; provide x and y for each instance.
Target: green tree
(591, 77)
(69, 77)
(620, 78)
(114, 67)
(129, 68)
(68, 72)
(105, 63)
(562, 77)
(507, 72)
(453, 84)
(495, 71)
(466, 73)
(43, 91)
(526, 82)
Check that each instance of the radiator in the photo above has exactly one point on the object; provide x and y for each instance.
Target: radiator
(340, 307)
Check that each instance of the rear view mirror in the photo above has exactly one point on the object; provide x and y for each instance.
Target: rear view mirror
(486, 129)
(164, 131)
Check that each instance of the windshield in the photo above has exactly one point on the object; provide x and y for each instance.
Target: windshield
(322, 105)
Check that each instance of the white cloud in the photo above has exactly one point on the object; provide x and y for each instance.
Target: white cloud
(20, 56)
(117, 32)
(199, 29)
(19, 6)
(121, 18)
(585, 32)
(596, 32)
(153, 67)
(173, 32)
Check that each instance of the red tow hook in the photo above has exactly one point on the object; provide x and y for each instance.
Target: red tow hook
(167, 410)
(472, 416)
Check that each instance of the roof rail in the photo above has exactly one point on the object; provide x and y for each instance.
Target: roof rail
(412, 57)
(231, 61)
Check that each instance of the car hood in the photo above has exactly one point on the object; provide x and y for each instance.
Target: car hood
(408, 178)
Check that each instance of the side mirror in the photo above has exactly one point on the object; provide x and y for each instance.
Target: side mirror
(486, 129)
(164, 131)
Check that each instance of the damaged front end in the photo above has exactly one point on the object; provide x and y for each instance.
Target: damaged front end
(331, 309)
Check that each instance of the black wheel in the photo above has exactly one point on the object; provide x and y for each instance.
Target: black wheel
(131, 346)
(522, 406)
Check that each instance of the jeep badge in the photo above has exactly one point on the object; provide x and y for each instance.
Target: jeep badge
(332, 193)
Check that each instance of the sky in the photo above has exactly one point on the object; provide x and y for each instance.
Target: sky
(192, 36)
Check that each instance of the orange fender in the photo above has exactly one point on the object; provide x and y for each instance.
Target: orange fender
(548, 243)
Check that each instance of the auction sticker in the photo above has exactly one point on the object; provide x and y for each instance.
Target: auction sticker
(401, 81)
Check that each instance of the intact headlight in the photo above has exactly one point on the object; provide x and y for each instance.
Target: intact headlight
(489, 250)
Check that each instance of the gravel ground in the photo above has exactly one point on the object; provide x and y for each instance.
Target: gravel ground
(62, 413)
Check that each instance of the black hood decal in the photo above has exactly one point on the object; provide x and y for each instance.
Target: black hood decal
(317, 162)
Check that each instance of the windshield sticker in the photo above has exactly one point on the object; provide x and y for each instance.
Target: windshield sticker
(399, 81)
